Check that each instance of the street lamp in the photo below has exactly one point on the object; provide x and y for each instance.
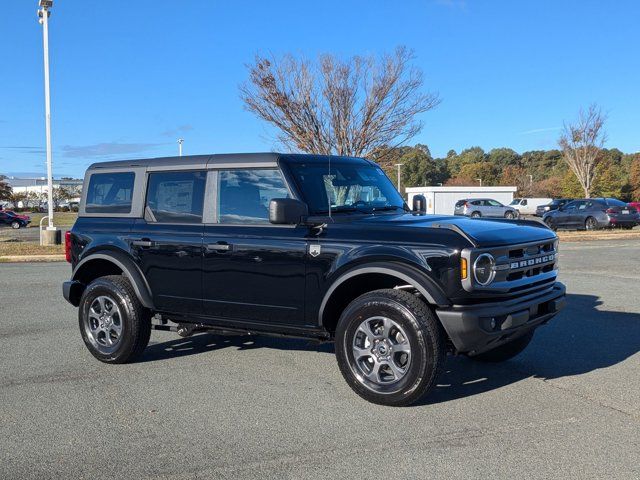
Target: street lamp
(43, 15)
(399, 165)
(180, 142)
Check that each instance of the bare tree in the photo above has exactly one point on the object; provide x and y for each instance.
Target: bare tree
(5, 189)
(339, 107)
(581, 144)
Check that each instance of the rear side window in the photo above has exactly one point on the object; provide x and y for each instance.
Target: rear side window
(175, 197)
(110, 193)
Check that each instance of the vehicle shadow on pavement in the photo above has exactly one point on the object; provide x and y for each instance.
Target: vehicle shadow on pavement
(582, 338)
(207, 342)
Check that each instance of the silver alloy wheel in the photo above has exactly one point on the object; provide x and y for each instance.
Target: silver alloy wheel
(590, 224)
(509, 215)
(103, 324)
(381, 352)
(15, 225)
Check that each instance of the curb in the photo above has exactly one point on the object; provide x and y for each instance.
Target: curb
(590, 236)
(33, 258)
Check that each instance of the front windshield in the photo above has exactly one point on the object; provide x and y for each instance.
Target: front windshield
(349, 187)
(516, 201)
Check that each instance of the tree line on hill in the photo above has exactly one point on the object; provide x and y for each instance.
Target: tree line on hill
(536, 173)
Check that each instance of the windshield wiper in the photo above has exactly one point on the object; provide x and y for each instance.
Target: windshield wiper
(389, 207)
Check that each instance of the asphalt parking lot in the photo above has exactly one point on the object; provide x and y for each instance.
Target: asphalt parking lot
(245, 407)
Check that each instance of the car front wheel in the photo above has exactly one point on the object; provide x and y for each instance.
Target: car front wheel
(549, 223)
(15, 225)
(509, 215)
(390, 347)
(113, 323)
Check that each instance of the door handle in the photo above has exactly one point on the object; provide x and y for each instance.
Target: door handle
(143, 243)
(219, 247)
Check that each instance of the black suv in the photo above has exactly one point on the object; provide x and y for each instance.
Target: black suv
(303, 246)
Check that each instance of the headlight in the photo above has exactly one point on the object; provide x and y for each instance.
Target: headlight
(484, 269)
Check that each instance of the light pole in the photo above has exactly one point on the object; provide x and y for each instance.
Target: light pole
(43, 14)
(480, 180)
(399, 165)
(180, 142)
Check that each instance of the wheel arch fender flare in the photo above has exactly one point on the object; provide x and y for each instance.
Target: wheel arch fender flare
(427, 287)
(129, 269)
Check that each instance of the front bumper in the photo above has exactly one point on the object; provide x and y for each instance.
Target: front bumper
(474, 329)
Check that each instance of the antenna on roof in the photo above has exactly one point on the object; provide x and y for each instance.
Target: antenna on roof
(329, 193)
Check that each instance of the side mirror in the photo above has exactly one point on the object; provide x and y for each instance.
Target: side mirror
(287, 211)
(419, 204)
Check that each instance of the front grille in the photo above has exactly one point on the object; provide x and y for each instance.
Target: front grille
(518, 267)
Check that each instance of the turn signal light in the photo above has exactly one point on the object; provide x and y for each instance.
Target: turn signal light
(464, 271)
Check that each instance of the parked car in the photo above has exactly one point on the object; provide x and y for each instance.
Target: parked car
(307, 246)
(8, 217)
(635, 205)
(484, 207)
(591, 214)
(553, 205)
(528, 206)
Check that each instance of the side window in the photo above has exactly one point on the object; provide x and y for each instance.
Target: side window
(524, 203)
(581, 205)
(244, 195)
(570, 206)
(110, 193)
(493, 203)
(175, 197)
(477, 202)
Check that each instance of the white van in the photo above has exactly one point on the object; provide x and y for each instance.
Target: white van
(527, 206)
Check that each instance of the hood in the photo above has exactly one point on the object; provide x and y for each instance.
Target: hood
(482, 232)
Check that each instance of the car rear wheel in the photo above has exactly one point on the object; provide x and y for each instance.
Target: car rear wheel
(590, 223)
(509, 215)
(15, 225)
(390, 347)
(476, 215)
(113, 323)
(507, 351)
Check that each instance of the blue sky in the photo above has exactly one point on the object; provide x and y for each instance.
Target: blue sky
(130, 77)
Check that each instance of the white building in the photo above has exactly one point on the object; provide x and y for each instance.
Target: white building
(441, 200)
(40, 188)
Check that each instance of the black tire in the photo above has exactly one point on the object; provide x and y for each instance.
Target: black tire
(549, 223)
(507, 351)
(476, 215)
(134, 320)
(590, 224)
(509, 215)
(425, 341)
(15, 225)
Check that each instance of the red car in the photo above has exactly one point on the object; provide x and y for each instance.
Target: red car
(7, 217)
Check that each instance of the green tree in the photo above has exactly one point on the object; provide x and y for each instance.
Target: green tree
(503, 157)
(467, 156)
(634, 178)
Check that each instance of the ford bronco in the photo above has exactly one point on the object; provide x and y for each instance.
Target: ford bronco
(307, 246)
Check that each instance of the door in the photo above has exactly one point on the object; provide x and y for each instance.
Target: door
(167, 242)
(565, 217)
(253, 270)
(494, 208)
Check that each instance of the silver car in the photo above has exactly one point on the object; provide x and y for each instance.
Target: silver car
(484, 207)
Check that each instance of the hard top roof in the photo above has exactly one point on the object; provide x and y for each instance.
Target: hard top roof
(239, 159)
